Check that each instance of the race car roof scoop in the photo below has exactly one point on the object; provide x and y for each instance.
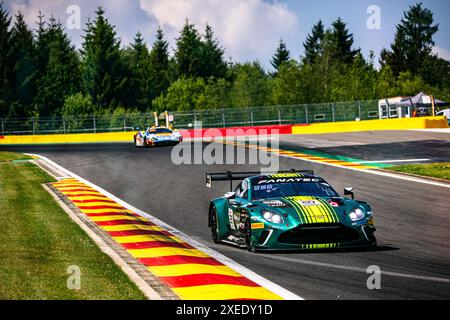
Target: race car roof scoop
(239, 176)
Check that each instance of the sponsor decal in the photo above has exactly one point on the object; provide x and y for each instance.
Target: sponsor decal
(321, 246)
(333, 203)
(312, 210)
(231, 218)
(275, 203)
(286, 175)
(288, 180)
(258, 225)
(308, 203)
(163, 134)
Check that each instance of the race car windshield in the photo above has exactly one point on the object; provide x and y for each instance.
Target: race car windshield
(163, 131)
(277, 190)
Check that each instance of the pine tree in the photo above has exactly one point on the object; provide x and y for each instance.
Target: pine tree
(341, 42)
(24, 70)
(413, 41)
(313, 43)
(158, 67)
(61, 77)
(139, 49)
(213, 61)
(138, 60)
(281, 56)
(105, 77)
(6, 63)
(42, 48)
(188, 54)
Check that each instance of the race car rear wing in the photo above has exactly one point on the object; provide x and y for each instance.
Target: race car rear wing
(239, 176)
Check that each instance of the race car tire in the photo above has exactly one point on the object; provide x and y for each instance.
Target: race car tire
(248, 237)
(373, 245)
(214, 225)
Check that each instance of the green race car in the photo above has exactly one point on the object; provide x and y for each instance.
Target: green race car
(288, 210)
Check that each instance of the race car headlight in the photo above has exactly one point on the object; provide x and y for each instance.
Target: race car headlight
(272, 217)
(356, 214)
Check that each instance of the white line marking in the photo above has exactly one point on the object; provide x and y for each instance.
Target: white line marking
(314, 143)
(280, 291)
(444, 130)
(259, 139)
(348, 268)
(379, 173)
(411, 179)
(394, 161)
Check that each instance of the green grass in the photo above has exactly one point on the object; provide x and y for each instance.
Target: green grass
(436, 170)
(38, 242)
(11, 156)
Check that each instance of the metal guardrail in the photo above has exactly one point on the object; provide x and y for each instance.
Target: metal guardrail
(221, 118)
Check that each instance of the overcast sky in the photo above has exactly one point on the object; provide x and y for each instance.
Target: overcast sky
(247, 29)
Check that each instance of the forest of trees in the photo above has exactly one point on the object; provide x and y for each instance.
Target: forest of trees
(43, 74)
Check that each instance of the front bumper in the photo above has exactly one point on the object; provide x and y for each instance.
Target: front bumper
(154, 143)
(316, 236)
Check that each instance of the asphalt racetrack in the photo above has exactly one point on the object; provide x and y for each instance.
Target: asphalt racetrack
(412, 218)
(400, 147)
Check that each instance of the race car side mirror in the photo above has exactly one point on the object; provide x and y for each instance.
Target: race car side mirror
(349, 192)
(230, 195)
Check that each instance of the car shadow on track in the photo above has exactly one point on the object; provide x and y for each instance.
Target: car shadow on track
(379, 248)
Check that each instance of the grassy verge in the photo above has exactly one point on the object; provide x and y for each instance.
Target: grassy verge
(38, 242)
(11, 156)
(435, 170)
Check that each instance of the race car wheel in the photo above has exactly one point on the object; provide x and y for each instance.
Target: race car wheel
(373, 245)
(248, 237)
(214, 225)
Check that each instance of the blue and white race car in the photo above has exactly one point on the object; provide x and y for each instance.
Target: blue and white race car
(157, 136)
